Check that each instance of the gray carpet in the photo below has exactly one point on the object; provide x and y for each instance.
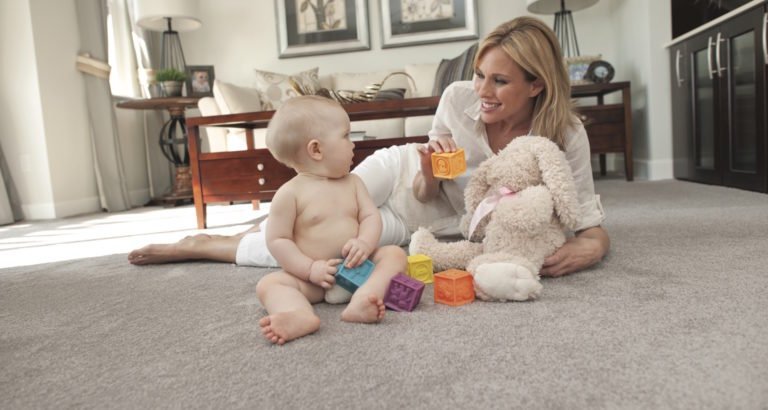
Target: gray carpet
(675, 317)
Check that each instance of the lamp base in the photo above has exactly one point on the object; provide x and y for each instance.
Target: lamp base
(566, 33)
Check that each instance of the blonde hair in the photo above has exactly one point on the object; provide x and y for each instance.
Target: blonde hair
(531, 44)
(297, 121)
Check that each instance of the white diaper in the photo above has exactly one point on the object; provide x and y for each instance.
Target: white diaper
(252, 250)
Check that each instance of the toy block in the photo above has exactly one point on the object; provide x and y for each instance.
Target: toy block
(454, 287)
(403, 294)
(352, 278)
(448, 165)
(420, 267)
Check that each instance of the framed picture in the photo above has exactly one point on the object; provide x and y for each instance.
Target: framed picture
(411, 22)
(310, 27)
(577, 67)
(199, 80)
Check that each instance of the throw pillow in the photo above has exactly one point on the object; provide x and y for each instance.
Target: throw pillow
(276, 88)
(457, 69)
(232, 99)
(390, 94)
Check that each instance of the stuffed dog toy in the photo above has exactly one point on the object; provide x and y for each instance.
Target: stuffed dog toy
(518, 202)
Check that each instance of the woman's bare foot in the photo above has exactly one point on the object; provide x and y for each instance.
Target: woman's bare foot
(156, 253)
(285, 326)
(364, 310)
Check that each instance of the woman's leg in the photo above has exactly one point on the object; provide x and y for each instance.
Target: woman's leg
(218, 248)
(380, 172)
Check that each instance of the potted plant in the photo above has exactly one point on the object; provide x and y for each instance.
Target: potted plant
(171, 80)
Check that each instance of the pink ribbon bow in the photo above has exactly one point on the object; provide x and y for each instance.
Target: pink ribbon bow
(487, 206)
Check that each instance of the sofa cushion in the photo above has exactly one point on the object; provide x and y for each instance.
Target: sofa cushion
(456, 69)
(276, 88)
(424, 78)
(232, 99)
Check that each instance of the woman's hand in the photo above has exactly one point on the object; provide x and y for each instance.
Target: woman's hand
(425, 185)
(322, 272)
(355, 252)
(580, 252)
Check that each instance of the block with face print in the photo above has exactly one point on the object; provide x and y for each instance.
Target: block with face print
(352, 278)
(403, 294)
(448, 165)
(454, 287)
(420, 268)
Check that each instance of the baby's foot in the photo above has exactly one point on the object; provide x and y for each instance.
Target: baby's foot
(286, 326)
(364, 310)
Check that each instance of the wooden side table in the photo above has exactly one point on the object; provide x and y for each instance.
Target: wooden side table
(173, 141)
(609, 126)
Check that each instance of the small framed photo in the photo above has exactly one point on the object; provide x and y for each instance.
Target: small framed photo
(406, 23)
(200, 80)
(311, 27)
(577, 68)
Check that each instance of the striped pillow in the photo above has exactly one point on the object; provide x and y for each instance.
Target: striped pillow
(457, 69)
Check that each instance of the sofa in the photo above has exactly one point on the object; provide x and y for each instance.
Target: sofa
(412, 81)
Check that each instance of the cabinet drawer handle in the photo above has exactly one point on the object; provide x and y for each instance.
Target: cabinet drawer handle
(262, 181)
(765, 47)
(710, 71)
(260, 166)
(720, 68)
(678, 57)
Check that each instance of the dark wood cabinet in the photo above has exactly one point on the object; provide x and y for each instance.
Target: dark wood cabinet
(719, 104)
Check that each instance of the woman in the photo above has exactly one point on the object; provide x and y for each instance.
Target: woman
(520, 87)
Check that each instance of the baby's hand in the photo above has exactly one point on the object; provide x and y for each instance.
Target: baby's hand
(355, 252)
(321, 272)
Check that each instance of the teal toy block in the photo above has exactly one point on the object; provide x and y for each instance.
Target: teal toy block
(352, 278)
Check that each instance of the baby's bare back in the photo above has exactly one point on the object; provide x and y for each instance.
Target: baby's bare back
(326, 215)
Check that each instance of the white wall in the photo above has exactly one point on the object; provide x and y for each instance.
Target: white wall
(21, 111)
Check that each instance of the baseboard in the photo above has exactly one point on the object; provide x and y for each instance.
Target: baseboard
(62, 209)
(651, 170)
(654, 170)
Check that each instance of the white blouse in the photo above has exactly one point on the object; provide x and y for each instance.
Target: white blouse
(458, 116)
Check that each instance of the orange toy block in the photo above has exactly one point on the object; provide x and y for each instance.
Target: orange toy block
(454, 287)
(448, 164)
(420, 268)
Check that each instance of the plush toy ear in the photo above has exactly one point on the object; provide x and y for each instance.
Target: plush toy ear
(556, 175)
(474, 193)
(478, 186)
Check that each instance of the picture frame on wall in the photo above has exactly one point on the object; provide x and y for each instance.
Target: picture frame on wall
(427, 21)
(312, 27)
(200, 80)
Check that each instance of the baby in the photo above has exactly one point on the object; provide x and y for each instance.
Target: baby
(320, 218)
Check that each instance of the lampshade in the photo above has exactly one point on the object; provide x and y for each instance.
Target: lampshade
(553, 6)
(153, 14)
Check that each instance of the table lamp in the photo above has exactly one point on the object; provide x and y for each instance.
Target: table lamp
(564, 27)
(170, 17)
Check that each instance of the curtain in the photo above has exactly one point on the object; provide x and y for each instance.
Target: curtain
(131, 61)
(10, 205)
(107, 152)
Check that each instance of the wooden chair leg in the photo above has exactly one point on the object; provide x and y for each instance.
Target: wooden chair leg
(602, 164)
